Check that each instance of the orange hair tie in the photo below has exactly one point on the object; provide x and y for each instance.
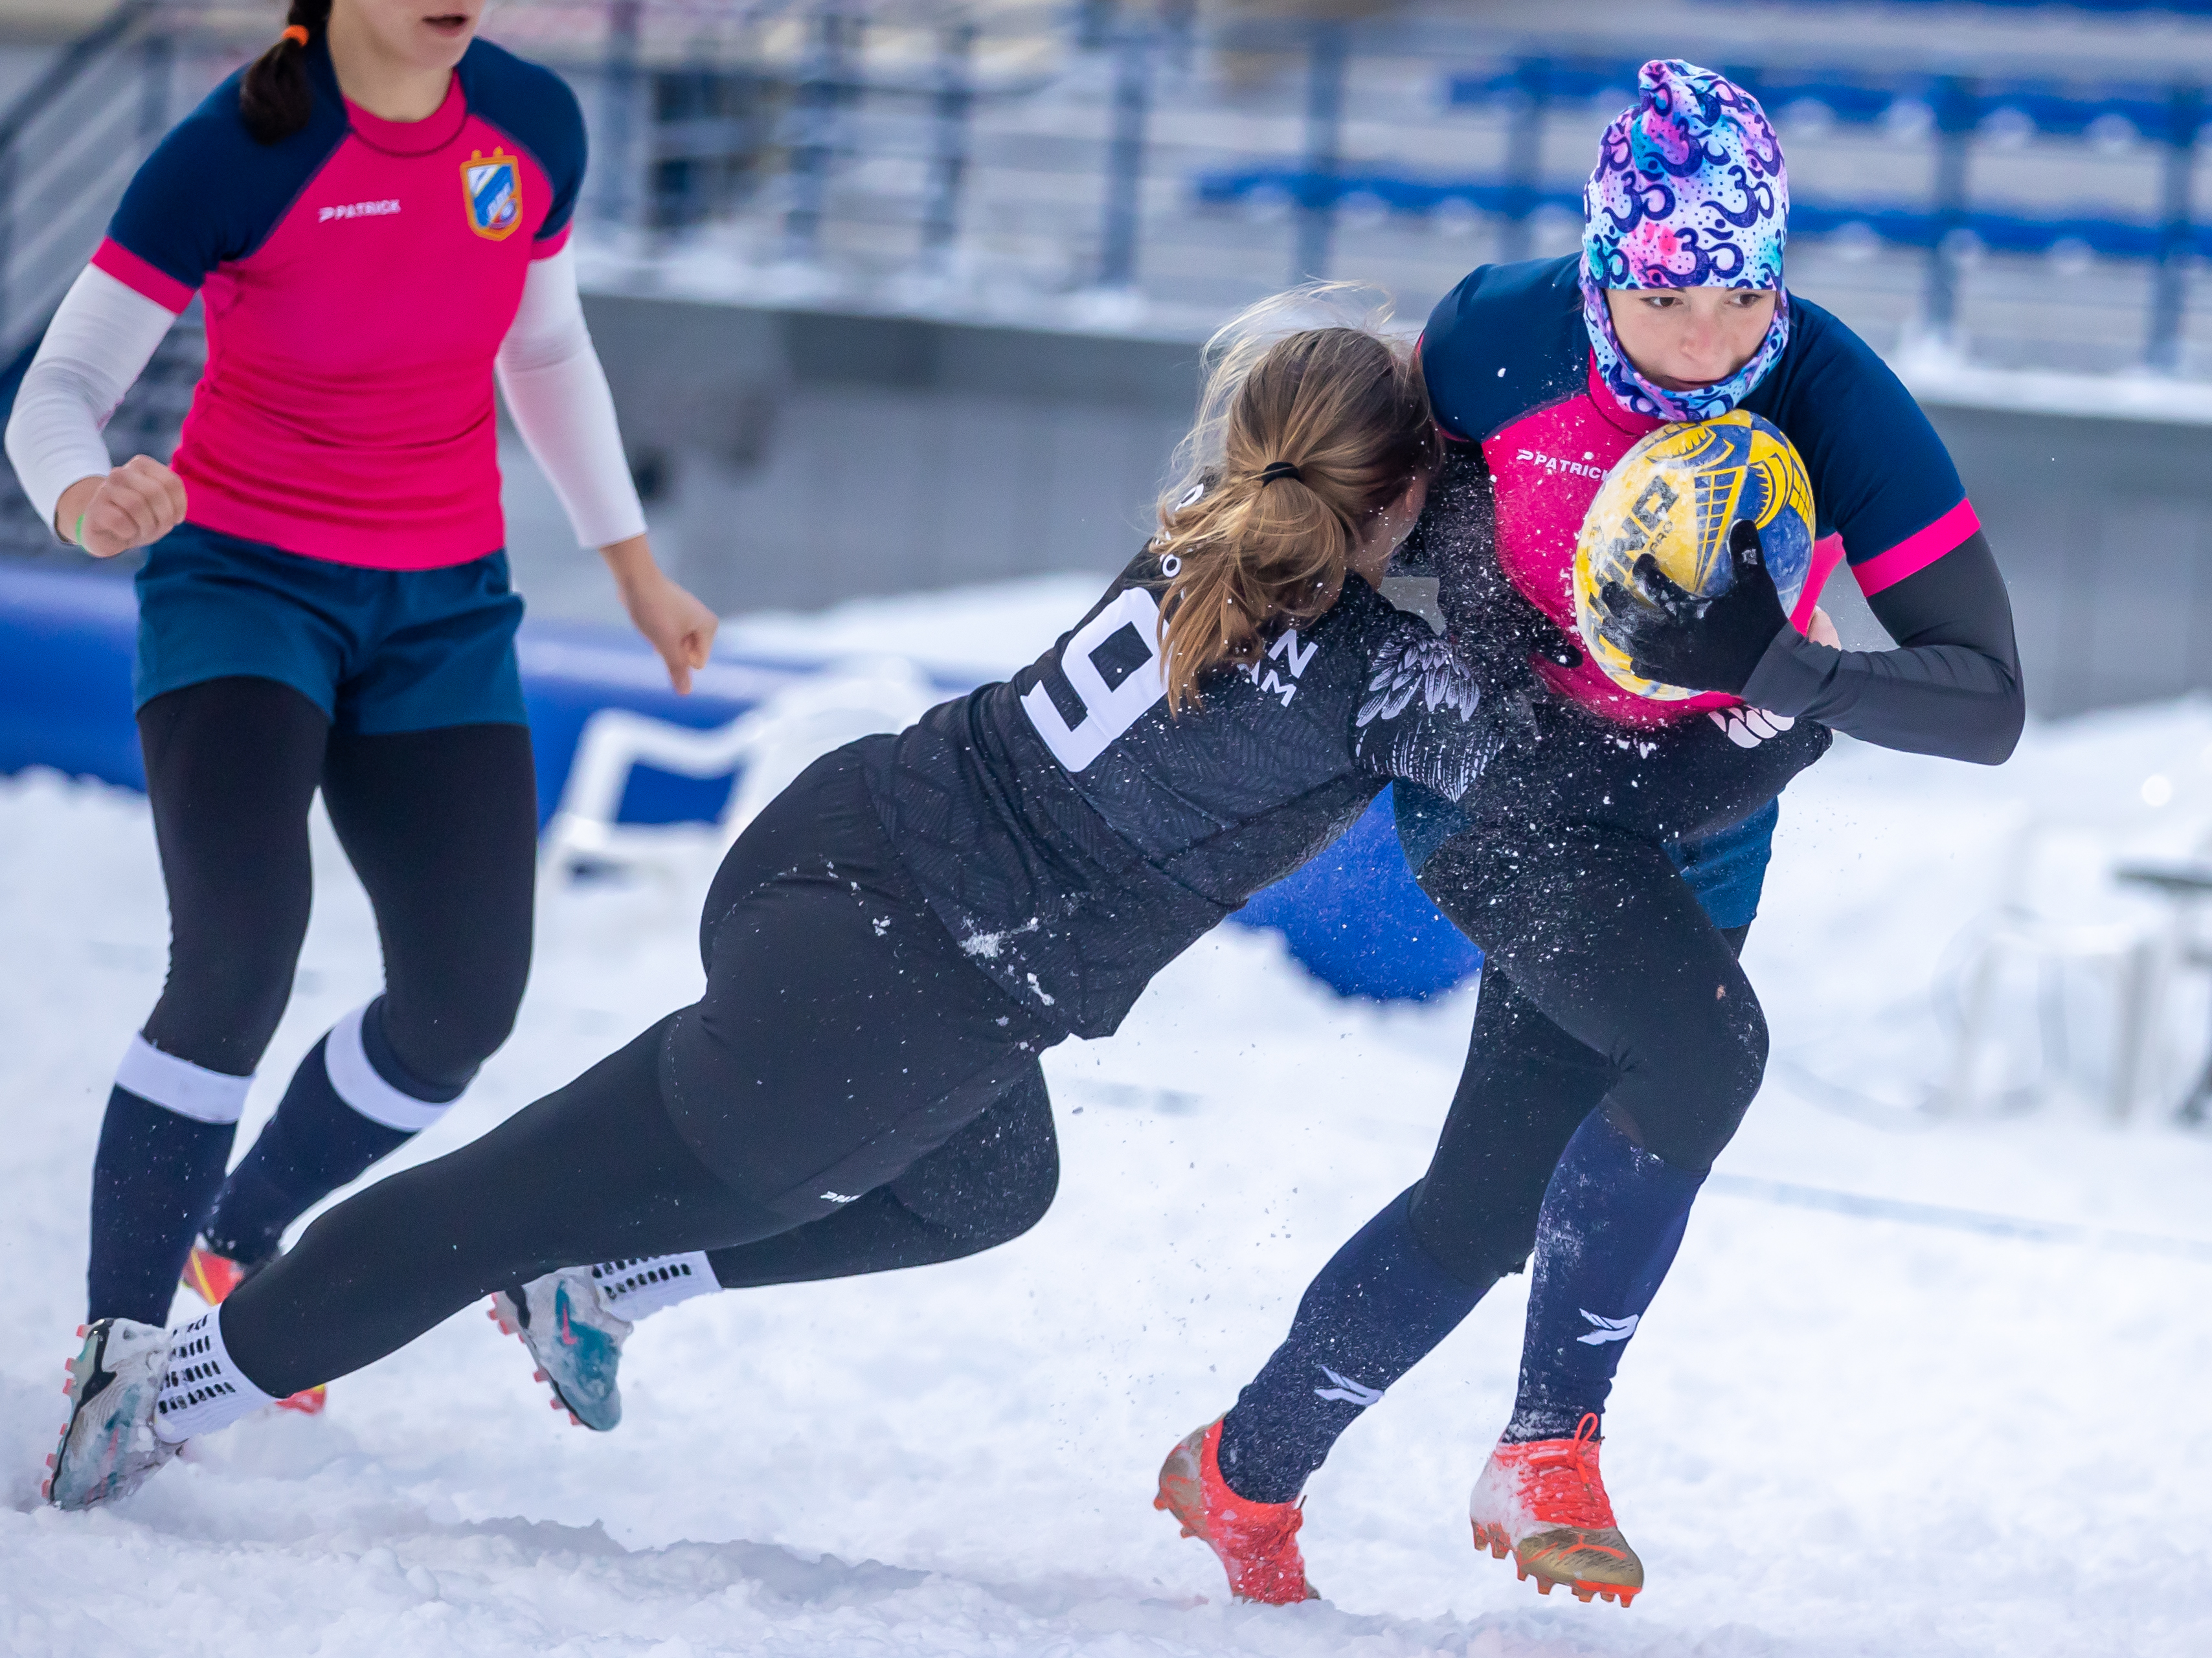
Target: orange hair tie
(297, 35)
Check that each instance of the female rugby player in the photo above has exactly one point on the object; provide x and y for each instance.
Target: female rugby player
(1561, 1139)
(374, 218)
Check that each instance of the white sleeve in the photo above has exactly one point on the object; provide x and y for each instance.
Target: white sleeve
(558, 393)
(98, 342)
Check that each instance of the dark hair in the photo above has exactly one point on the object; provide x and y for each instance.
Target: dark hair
(276, 97)
(1313, 435)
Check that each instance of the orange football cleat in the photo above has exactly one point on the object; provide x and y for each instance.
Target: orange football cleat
(211, 1277)
(1257, 1543)
(1544, 1503)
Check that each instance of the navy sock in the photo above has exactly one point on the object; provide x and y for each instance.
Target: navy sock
(1613, 1218)
(1370, 1315)
(350, 1103)
(153, 1178)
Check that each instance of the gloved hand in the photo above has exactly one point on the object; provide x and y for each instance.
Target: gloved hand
(1672, 635)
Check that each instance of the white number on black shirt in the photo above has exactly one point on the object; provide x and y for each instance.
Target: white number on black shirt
(1109, 710)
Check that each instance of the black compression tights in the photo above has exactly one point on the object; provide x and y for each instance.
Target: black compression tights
(986, 1186)
(441, 826)
(1604, 984)
(591, 1173)
(595, 1172)
(1526, 1088)
(842, 1040)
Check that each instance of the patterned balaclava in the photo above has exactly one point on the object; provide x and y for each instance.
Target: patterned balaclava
(1689, 191)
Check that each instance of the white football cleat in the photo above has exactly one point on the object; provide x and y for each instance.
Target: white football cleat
(564, 1322)
(109, 1447)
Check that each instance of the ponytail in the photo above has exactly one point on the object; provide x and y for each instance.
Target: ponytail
(1315, 433)
(275, 98)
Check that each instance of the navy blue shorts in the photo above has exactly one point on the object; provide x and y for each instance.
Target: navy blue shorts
(378, 651)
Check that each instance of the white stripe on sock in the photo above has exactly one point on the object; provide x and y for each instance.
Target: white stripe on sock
(180, 1086)
(361, 1086)
(201, 1389)
(631, 1289)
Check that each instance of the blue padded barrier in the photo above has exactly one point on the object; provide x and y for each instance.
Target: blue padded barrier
(66, 643)
(570, 671)
(1353, 916)
(1357, 920)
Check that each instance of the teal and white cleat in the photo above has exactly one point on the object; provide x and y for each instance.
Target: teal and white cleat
(109, 1447)
(565, 1323)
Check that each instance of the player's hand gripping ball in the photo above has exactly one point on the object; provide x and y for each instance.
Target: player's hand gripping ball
(1653, 566)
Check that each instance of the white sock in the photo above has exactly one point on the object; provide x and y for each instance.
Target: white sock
(631, 1289)
(201, 1389)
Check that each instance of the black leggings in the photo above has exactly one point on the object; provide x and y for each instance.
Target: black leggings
(986, 1186)
(841, 1040)
(1527, 1086)
(441, 825)
(1603, 982)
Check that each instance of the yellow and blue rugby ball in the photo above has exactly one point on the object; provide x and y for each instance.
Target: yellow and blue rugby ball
(1674, 495)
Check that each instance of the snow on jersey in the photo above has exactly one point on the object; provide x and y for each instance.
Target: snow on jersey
(1507, 359)
(358, 279)
(1076, 837)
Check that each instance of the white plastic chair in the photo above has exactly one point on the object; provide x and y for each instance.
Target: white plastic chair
(2184, 885)
(768, 746)
(2028, 929)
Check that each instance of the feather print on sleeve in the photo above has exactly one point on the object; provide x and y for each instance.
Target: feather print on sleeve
(1424, 717)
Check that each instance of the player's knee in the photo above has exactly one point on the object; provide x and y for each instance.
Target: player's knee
(1022, 1205)
(1695, 1095)
(984, 1206)
(993, 1180)
(446, 1043)
(1476, 1244)
(221, 1004)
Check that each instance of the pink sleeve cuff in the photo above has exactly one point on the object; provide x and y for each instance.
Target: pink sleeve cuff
(1917, 552)
(140, 277)
(1827, 552)
(546, 248)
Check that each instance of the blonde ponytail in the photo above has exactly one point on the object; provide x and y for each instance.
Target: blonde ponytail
(1301, 439)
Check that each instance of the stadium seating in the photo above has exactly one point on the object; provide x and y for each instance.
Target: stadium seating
(1938, 105)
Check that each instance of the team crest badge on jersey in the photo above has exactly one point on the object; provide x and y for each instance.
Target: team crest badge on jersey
(493, 186)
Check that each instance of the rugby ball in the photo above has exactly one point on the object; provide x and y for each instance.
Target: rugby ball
(1674, 495)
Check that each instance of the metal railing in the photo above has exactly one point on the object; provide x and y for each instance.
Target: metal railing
(1953, 111)
(68, 144)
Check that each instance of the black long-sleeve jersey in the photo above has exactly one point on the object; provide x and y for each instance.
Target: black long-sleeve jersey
(1076, 837)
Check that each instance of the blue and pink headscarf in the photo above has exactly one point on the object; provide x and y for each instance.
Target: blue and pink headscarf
(1689, 191)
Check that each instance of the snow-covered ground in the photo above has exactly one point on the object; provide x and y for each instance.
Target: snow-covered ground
(1836, 1434)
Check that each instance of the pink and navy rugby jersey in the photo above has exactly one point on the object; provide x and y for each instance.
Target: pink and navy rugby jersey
(1508, 363)
(358, 279)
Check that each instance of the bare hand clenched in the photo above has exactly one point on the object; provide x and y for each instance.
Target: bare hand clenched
(140, 501)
